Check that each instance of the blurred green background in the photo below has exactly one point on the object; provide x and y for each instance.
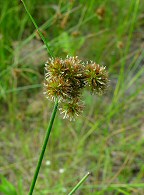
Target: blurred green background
(108, 139)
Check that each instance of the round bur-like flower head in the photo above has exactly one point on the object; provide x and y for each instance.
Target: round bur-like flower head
(56, 88)
(97, 78)
(54, 67)
(71, 109)
(66, 78)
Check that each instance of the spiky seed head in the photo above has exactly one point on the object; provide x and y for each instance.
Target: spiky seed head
(66, 78)
(97, 78)
(54, 67)
(71, 109)
(56, 88)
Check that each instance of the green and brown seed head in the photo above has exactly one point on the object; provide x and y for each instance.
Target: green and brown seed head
(97, 78)
(71, 108)
(54, 67)
(66, 78)
(56, 88)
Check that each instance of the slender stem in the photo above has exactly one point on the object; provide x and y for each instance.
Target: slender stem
(79, 183)
(43, 148)
(53, 113)
(40, 33)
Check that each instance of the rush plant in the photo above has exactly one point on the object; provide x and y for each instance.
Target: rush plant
(65, 80)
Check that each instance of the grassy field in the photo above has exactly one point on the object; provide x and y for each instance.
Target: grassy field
(108, 138)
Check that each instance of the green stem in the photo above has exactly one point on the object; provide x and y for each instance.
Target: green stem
(36, 26)
(79, 183)
(43, 148)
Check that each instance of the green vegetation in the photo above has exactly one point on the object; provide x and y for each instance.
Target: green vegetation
(107, 140)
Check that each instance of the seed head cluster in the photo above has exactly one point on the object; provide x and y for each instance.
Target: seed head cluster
(66, 78)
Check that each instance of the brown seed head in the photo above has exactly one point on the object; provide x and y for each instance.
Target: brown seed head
(71, 109)
(56, 88)
(97, 78)
(66, 78)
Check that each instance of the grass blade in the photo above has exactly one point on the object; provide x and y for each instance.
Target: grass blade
(79, 183)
